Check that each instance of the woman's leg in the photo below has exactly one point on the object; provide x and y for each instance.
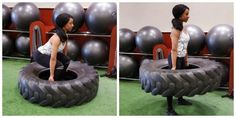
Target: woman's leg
(44, 60)
(181, 65)
(63, 59)
(170, 109)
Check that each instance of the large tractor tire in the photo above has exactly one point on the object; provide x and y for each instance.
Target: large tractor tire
(203, 75)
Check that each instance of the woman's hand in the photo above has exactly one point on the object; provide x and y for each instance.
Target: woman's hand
(173, 68)
(50, 78)
(186, 63)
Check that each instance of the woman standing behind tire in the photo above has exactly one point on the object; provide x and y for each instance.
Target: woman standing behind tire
(50, 54)
(178, 57)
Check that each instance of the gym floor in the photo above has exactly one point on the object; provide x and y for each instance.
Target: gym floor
(14, 104)
(134, 101)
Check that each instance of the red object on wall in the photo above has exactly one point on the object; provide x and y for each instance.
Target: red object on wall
(112, 52)
(165, 51)
(231, 73)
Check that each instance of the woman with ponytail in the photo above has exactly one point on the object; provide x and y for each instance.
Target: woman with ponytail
(177, 59)
(50, 54)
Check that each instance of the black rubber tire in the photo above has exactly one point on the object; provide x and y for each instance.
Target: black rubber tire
(185, 82)
(59, 93)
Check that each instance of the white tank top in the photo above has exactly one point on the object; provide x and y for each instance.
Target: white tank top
(183, 44)
(47, 48)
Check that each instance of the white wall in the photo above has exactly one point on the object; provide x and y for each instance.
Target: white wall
(45, 4)
(205, 15)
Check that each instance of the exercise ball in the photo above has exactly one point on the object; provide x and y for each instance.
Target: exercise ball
(101, 17)
(147, 37)
(73, 50)
(23, 44)
(7, 44)
(220, 40)
(128, 66)
(126, 39)
(95, 52)
(74, 9)
(23, 14)
(197, 39)
(6, 16)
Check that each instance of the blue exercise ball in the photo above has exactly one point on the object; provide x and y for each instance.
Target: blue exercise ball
(95, 52)
(74, 9)
(101, 17)
(6, 16)
(23, 14)
(220, 40)
(147, 37)
(126, 40)
(197, 39)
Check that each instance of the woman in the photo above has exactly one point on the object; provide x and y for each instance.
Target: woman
(178, 57)
(50, 54)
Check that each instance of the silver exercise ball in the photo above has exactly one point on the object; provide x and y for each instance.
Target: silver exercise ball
(74, 9)
(23, 14)
(220, 40)
(101, 17)
(147, 37)
(197, 39)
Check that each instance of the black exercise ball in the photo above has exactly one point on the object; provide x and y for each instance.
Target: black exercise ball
(23, 44)
(197, 39)
(126, 39)
(6, 16)
(220, 40)
(101, 17)
(7, 45)
(128, 66)
(95, 52)
(147, 37)
(74, 9)
(23, 14)
(73, 50)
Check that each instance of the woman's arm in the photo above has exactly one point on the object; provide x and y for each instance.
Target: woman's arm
(55, 44)
(174, 41)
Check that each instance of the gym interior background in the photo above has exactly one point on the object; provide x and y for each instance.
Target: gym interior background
(136, 22)
(90, 33)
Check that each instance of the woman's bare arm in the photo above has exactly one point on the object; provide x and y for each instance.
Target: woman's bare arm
(174, 41)
(55, 41)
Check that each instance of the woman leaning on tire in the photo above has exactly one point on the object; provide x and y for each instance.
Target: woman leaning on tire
(49, 55)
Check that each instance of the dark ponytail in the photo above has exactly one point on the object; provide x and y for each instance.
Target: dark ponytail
(177, 12)
(177, 24)
(61, 34)
(61, 21)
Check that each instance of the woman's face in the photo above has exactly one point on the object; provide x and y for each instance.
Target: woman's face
(70, 24)
(185, 16)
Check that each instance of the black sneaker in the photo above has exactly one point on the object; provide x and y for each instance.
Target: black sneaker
(183, 102)
(171, 113)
